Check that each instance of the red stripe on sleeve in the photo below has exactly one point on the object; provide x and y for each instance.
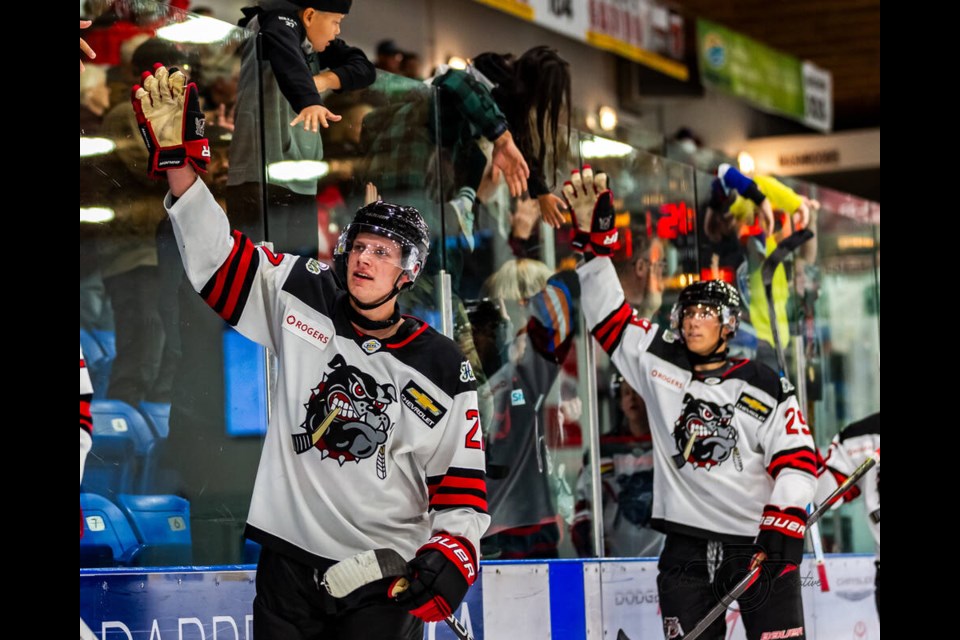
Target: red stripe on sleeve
(458, 499)
(86, 422)
(801, 460)
(609, 332)
(454, 482)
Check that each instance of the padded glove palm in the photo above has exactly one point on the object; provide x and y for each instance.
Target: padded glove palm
(170, 120)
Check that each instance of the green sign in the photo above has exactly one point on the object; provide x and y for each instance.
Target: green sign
(739, 65)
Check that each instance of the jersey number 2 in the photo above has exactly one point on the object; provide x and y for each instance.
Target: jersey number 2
(795, 415)
(475, 437)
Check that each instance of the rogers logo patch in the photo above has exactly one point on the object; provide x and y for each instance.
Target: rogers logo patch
(307, 329)
(666, 379)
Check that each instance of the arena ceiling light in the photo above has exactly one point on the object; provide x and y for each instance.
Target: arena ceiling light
(197, 30)
(95, 146)
(598, 147)
(294, 170)
(96, 214)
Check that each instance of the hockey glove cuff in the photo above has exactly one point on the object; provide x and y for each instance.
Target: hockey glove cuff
(781, 535)
(439, 577)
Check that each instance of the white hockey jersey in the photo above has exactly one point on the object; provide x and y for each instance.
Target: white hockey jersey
(848, 450)
(402, 459)
(750, 443)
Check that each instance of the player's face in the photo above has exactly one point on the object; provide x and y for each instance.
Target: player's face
(701, 328)
(373, 267)
(322, 27)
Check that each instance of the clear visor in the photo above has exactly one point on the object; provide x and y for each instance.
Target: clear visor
(385, 247)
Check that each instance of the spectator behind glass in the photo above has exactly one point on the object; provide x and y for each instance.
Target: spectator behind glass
(534, 93)
(304, 58)
(411, 66)
(745, 221)
(626, 473)
(522, 334)
(641, 275)
(389, 56)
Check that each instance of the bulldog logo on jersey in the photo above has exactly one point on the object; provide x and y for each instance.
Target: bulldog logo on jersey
(704, 435)
(346, 415)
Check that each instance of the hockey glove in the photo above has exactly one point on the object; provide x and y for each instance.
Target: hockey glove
(171, 122)
(591, 202)
(439, 576)
(781, 537)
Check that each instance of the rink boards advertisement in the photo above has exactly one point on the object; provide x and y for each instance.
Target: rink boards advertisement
(560, 599)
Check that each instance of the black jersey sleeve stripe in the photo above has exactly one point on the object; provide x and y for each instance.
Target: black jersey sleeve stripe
(228, 289)
(458, 488)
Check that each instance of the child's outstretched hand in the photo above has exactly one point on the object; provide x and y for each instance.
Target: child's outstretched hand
(315, 116)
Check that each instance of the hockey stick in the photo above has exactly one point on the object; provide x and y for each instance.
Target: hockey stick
(790, 244)
(303, 442)
(767, 269)
(369, 566)
(754, 572)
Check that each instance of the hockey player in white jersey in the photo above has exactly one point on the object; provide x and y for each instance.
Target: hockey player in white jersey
(734, 462)
(375, 437)
(848, 449)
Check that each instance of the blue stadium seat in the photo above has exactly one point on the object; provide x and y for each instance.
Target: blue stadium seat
(99, 363)
(158, 417)
(162, 525)
(122, 456)
(108, 539)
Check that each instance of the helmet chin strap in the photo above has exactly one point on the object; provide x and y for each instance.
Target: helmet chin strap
(718, 354)
(372, 325)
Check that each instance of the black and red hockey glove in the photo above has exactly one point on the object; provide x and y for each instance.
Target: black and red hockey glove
(591, 202)
(439, 576)
(781, 537)
(170, 120)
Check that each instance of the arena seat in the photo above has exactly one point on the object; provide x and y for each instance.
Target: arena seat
(108, 539)
(162, 526)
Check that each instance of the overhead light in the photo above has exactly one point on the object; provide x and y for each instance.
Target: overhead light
(746, 163)
(197, 30)
(96, 214)
(608, 118)
(598, 147)
(95, 146)
(292, 170)
(456, 62)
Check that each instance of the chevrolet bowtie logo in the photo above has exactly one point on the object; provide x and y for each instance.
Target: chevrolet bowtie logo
(425, 401)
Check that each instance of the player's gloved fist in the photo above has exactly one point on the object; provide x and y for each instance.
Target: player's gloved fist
(591, 202)
(171, 122)
(781, 535)
(439, 578)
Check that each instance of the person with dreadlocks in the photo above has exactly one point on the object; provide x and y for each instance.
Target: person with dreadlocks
(374, 440)
(734, 463)
(533, 91)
